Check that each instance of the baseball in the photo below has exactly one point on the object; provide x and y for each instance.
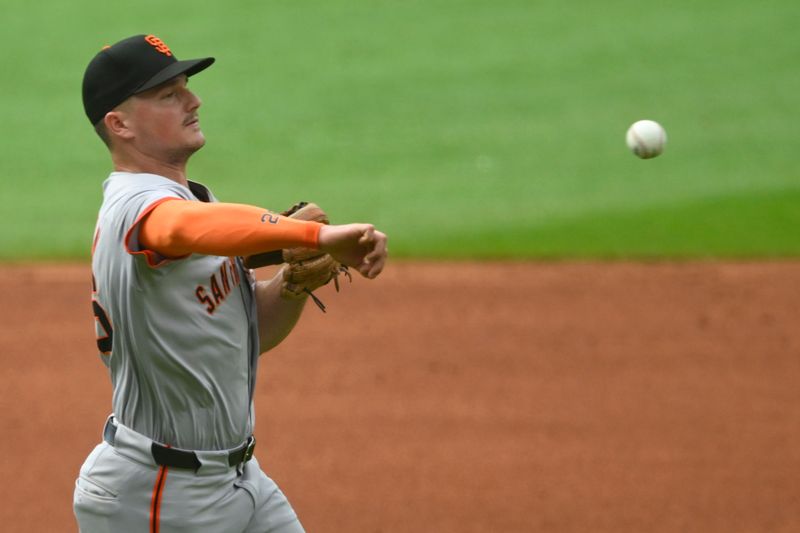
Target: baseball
(646, 138)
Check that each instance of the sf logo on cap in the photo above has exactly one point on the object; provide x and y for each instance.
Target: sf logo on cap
(158, 44)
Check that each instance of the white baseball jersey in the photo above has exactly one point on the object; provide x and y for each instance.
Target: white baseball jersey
(179, 336)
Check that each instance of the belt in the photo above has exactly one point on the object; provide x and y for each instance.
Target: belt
(166, 456)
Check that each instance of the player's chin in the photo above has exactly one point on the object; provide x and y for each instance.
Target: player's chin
(196, 140)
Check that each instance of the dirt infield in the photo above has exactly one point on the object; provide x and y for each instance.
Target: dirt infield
(463, 397)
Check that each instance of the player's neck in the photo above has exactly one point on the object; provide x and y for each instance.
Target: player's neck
(141, 163)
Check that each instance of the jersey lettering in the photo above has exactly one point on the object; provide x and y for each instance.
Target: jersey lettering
(103, 327)
(234, 270)
(105, 333)
(223, 273)
(203, 298)
(220, 285)
(218, 296)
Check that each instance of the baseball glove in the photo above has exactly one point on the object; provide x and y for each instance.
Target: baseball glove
(306, 269)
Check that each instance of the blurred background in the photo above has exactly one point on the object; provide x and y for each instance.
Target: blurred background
(622, 356)
(464, 128)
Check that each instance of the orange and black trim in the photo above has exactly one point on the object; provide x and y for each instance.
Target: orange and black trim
(155, 503)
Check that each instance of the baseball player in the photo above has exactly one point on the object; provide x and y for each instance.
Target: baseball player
(180, 319)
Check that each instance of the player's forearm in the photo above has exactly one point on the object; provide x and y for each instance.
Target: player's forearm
(179, 227)
(277, 316)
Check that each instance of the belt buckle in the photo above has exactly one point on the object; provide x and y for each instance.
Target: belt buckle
(248, 452)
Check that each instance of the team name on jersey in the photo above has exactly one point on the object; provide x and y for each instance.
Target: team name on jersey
(220, 285)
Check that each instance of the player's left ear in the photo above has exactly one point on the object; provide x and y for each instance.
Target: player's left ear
(117, 125)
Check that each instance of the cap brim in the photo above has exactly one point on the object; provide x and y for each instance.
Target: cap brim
(188, 67)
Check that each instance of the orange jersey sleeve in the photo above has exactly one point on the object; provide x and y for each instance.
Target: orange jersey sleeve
(181, 227)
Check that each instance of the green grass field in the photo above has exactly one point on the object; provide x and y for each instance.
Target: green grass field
(462, 128)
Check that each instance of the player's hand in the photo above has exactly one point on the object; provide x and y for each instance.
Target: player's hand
(359, 246)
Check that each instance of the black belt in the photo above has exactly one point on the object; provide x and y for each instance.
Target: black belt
(171, 457)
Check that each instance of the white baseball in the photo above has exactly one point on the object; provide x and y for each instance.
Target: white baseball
(646, 138)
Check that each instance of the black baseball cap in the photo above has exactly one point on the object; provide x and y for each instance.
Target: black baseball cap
(131, 66)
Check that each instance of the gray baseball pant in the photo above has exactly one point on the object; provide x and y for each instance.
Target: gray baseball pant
(121, 489)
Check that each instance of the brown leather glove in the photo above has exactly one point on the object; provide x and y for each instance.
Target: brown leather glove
(306, 269)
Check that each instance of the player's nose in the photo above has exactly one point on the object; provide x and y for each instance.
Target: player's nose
(192, 100)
